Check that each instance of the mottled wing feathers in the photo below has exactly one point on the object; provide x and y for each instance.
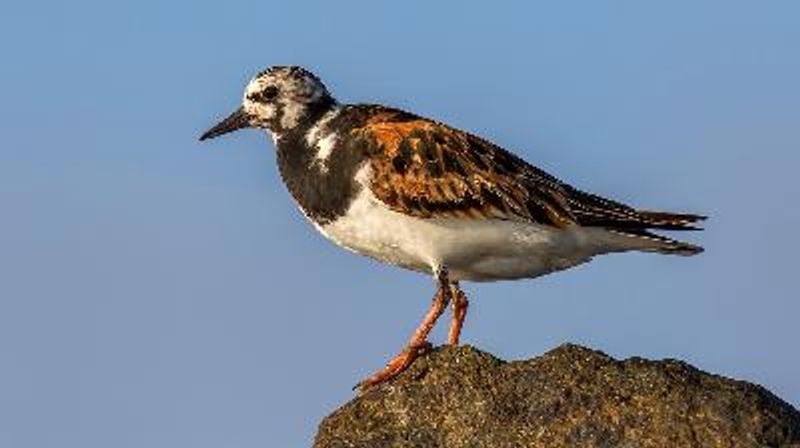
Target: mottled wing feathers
(427, 169)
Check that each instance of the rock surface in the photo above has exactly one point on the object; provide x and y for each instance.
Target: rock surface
(570, 397)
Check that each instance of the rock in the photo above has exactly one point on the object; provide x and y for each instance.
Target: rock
(569, 397)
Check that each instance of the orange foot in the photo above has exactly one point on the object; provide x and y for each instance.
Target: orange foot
(418, 345)
(396, 366)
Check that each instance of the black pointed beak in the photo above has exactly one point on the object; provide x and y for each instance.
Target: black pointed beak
(235, 121)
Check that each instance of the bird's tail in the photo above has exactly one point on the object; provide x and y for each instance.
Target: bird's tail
(670, 221)
(646, 241)
(643, 239)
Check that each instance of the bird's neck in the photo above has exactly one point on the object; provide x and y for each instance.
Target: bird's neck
(294, 142)
(325, 188)
(294, 149)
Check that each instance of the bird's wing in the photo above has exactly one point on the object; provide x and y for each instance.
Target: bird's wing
(429, 170)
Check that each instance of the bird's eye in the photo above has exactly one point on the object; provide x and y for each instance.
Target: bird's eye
(269, 93)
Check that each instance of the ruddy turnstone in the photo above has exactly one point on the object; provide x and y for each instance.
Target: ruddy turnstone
(419, 194)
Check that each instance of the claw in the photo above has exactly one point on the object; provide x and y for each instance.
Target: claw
(395, 367)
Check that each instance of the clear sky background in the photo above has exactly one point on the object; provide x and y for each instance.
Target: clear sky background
(158, 292)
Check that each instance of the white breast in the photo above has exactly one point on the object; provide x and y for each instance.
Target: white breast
(472, 249)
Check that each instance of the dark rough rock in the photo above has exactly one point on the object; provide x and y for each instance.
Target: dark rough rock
(570, 397)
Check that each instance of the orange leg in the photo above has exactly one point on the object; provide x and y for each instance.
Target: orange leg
(460, 305)
(418, 344)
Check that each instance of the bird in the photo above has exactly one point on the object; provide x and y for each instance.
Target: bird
(417, 193)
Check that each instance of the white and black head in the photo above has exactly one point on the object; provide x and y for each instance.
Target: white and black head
(278, 99)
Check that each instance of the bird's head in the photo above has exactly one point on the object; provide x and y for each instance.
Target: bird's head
(277, 99)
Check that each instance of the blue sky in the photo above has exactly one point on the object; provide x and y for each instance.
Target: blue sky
(158, 292)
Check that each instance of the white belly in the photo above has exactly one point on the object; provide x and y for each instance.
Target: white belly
(478, 250)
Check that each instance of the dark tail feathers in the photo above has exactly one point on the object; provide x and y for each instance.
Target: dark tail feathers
(664, 221)
(670, 221)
